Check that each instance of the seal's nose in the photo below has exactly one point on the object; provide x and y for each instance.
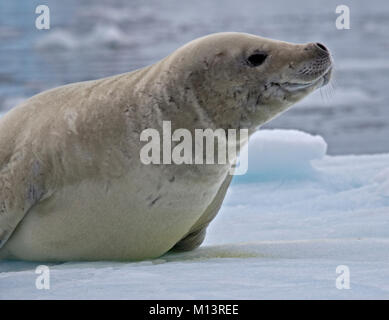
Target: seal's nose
(317, 49)
(321, 46)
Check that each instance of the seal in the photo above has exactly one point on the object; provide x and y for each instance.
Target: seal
(72, 186)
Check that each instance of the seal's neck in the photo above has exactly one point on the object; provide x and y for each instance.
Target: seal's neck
(192, 100)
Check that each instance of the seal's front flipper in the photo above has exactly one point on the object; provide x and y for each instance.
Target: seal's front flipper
(196, 235)
(191, 241)
(21, 187)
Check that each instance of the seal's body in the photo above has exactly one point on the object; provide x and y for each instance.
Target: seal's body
(72, 186)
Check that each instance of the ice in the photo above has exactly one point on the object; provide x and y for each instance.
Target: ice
(58, 39)
(283, 152)
(105, 36)
(280, 234)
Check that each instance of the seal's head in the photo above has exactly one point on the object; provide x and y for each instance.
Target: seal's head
(249, 78)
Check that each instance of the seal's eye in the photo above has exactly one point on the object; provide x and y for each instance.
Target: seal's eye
(256, 59)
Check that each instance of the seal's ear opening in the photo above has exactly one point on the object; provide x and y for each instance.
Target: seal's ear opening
(256, 59)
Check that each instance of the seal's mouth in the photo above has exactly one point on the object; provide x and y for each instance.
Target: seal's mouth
(323, 80)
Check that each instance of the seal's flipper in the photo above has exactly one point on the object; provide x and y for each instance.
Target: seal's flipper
(21, 187)
(196, 235)
(191, 241)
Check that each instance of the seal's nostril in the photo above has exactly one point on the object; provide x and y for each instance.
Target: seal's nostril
(321, 46)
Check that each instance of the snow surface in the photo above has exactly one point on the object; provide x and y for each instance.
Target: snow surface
(282, 231)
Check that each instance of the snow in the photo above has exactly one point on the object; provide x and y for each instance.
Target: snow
(281, 233)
